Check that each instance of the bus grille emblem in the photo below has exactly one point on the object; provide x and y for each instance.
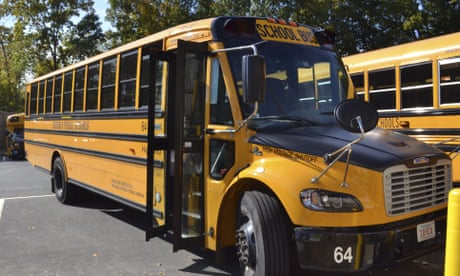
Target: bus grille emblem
(421, 161)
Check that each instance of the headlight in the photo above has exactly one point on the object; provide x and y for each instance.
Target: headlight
(327, 201)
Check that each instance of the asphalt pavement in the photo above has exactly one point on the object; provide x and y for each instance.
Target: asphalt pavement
(40, 236)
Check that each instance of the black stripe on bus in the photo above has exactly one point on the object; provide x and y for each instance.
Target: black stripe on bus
(429, 131)
(106, 115)
(110, 156)
(102, 135)
(415, 113)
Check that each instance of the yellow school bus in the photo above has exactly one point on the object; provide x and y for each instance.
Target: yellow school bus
(415, 86)
(15, 136)
(236, 133)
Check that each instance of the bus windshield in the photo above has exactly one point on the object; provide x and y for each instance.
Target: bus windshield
(303, 83)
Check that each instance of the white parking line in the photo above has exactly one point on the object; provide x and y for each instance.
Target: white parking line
(2, 200)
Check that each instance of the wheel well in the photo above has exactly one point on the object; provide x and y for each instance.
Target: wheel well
(228, 211)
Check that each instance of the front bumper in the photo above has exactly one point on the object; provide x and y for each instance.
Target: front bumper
(361, 248)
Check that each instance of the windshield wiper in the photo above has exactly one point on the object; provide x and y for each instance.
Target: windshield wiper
(301, 121)
(279, 121)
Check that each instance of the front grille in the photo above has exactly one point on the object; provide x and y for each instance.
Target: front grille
(412, 189)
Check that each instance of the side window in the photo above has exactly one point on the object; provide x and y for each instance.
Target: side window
(79, 89)
(382, 88)
(67, 91)
(92, 86)
(57, 94)
(358, 83)
(127, 85)
(49, 95)
(222, 158)
(220, 105)
(449, 79)
(41, 101)
(33, 99)
(417, 86)
(145, 82)
(109, 70)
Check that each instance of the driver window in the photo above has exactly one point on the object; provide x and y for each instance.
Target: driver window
(222, 158)
(220, 105)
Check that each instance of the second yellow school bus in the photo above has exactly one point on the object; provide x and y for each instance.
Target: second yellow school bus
(15, 136)
(416, 88)
(179, 125)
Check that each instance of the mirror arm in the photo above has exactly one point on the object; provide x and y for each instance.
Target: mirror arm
(336, 155)
(243, 123)
(454, 153)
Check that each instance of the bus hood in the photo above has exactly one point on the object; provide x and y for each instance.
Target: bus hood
(378, 150)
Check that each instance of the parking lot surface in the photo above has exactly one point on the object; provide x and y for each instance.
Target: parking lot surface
(40, 236)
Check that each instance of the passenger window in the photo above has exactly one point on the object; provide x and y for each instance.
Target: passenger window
(92, 86)
(49, 95)
(67, 91)
(79, 89)
(109, 70)
(41, 92)
(127, 85)
(222, 158)
(417, 86)
(449, 79)
(145, 82)
(57, 94)
(33, 99)
(220, 106)
(358, 83)
(382, 89)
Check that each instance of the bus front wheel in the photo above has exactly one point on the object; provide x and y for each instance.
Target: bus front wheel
(262, 236)
(62, 189)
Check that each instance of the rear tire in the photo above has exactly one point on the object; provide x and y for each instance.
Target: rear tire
(262, 236)
(62, 189)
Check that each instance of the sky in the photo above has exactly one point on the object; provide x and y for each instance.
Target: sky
(100, 7)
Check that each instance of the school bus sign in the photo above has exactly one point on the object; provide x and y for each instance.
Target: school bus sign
(285, 33)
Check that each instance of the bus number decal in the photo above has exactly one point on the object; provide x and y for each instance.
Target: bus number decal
(389, 122)
(144, 126)
(341, 254)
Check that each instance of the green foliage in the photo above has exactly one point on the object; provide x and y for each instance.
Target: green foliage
(49, 34)
(79, 43)
(50, 25)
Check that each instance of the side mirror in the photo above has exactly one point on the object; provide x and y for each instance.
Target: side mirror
(253, 78)
(356, 115)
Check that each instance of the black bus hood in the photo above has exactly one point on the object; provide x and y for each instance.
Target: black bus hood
(378, 150)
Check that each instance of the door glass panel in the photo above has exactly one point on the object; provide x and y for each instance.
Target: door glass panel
(191, 191)
(192, 156)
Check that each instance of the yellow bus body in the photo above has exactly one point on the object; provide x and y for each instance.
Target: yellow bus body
(434, 120)
(218, 168)
(15, 136)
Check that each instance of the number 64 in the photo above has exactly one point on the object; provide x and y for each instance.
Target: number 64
(341, 254)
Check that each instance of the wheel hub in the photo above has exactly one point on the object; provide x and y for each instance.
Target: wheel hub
(246, 248)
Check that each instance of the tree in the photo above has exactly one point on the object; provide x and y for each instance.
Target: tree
(439, 17)
(79, 43)
(13, 65)
(48, 22)
(139, 18)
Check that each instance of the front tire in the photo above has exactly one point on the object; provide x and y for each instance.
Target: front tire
(262, 236)
(62, 189)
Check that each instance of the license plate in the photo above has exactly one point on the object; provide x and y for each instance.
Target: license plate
(426, 231)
